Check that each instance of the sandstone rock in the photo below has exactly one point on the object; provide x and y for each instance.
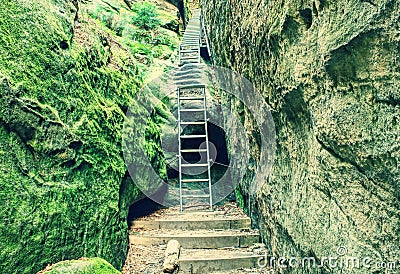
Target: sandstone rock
(332, 78)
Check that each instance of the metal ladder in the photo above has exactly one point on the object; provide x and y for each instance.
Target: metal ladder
(189, 49)
(187, 117)
(204, 43)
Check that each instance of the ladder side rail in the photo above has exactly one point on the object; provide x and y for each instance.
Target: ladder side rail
(204, 29)
(179, 151)
(179, 56)
(208, 150)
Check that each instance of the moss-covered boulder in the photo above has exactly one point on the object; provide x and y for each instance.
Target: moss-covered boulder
(81, 266)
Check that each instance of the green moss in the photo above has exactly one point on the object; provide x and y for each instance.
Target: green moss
(65, 86)
(153, 145)
(83, 266)
(239, 198)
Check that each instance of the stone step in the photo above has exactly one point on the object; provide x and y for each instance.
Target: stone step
(218, 241)
(208, 261)
(197, 238)
(188, 67)
(189, 223)
(190, 60)
(189, 71)
(184, 84)
(191, 86)
(189, 215)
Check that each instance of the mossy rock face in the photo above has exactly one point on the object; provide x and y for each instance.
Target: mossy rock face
(66, 80)
(82, 266)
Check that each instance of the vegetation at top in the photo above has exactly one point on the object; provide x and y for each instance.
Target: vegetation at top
(146, 16)
(148, 31)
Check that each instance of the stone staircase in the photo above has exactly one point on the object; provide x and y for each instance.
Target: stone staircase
(211, 241)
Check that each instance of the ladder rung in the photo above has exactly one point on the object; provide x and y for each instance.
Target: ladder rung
(196, 196)
(192, 86)
(191, 98)
(193, 150)
(192, 61)
(189, 42)
(194, 180)
(192, 136)
(189, 51)
(192, 46)
(194, 165)
(190, 57)
(183, 58)
(192, 123)
(192, 109)
(189, 54)
(183, 83)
